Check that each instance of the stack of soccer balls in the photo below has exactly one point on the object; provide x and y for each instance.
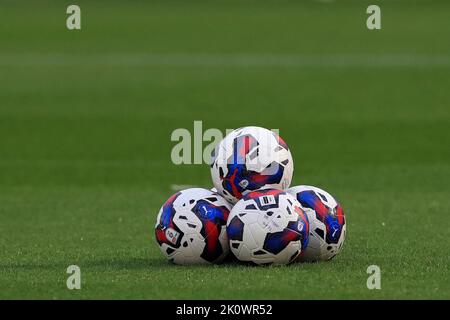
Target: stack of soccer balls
(251, 209)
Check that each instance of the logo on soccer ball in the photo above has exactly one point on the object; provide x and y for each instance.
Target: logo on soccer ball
(172, 235)
(333, 211)
(269, 223)
(243, 183)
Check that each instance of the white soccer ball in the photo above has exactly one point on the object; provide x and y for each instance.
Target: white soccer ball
(326, 221)
(248, 159)
(267, 227)
(191, 227)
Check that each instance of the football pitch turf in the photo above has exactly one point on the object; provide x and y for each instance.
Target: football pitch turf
(86, 118)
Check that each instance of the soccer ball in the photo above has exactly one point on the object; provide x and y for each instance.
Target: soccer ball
(249, 159)
(327, 223)
(191, 227)
(267, 227)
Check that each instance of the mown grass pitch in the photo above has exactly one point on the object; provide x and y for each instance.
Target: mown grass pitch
(86, 118)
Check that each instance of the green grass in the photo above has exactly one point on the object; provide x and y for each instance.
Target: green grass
(86, 118)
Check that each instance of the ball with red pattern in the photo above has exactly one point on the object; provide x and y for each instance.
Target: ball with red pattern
(327, 223)
(267, 227)
(249, 159)
(191, 227)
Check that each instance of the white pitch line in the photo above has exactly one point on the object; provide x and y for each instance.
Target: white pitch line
(178, 187)
(228, 60)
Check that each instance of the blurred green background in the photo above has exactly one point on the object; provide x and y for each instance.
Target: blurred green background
(86, 118)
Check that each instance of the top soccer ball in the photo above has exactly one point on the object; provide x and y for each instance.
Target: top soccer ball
(191, 227)
(249, 159)
(327, 223)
